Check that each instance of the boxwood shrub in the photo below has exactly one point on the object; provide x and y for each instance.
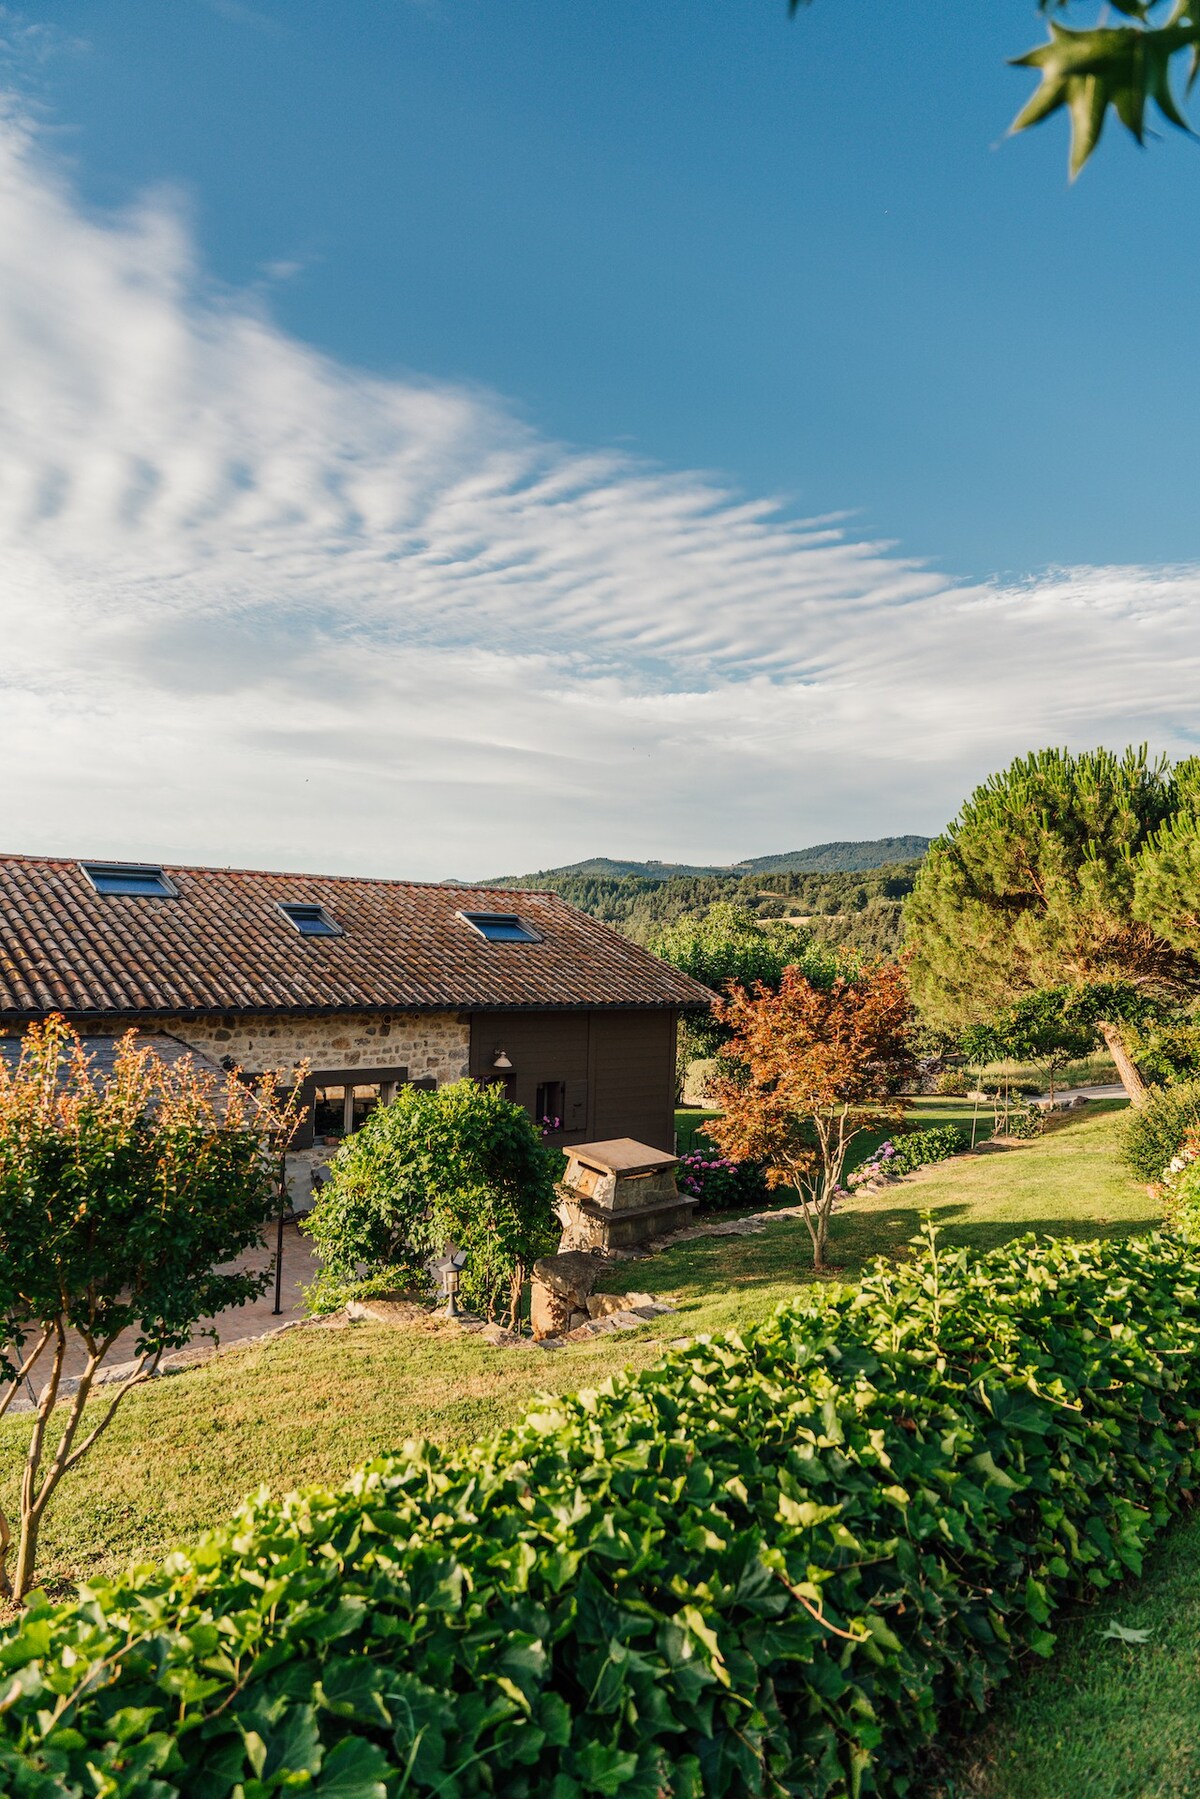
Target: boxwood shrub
(769, 1564)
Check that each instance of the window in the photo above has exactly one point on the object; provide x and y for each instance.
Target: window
(500, 927)
(130, 877)
(340, 1111)
(310, 921)
(549, 1106)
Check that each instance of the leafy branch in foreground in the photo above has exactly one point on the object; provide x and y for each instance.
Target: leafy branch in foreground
(1122, 67)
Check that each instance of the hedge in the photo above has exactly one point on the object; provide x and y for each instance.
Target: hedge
(778, 1563)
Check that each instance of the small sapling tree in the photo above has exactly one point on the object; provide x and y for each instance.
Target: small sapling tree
(120, 1194)
(461, 1165)
(809, 1068)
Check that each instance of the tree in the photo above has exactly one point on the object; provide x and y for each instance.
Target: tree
(1052, 1028)
(1125, 67)
(1167, 881)
(120, 1194)
(1035, 885)
(725, 947)
(808, 1068)
(461, 1165)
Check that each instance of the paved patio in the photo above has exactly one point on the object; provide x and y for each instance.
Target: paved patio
(238, 1324)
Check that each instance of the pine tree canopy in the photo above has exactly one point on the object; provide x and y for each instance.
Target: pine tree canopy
(1065, 869)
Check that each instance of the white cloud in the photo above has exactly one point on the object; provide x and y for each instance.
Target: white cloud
(261, 608)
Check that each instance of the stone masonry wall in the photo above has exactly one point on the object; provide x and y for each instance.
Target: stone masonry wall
(426, 1043)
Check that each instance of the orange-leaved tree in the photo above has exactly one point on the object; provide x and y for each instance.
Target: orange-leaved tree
(123, 1191)
(808, 1069)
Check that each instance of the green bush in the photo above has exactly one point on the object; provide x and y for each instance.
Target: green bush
(914, 1149)
(953, 1083)
(1152, 1134)
(1023, 1122)
(771, 1564)
(460, 1165)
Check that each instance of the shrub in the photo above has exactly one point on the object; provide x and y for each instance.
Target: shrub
(460, 1165)
(122, 1192)
(1152, 1134)
(771, 1563)
(721, 1185)
(1181, 1190)
(1023, 1122)
(952, 1082)
(914, 1149)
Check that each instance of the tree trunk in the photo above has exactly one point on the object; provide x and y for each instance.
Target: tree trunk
(1127, 1068)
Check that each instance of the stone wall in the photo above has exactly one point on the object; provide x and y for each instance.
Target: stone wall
(426, 1043)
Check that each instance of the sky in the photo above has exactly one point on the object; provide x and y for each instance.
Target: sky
(445, 437)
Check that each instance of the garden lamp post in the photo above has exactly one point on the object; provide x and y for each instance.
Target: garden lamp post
(446, 1268)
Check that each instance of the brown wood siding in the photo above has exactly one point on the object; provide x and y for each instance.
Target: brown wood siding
(542, 1046)
(633, 1076)
(617, 1068)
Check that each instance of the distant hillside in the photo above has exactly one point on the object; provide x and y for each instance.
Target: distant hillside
(821, 858)
(839, 858)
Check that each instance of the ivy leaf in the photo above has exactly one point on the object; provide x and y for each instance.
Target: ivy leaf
(354, 1769)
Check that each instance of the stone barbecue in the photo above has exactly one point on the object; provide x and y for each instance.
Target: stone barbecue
(619, 1194)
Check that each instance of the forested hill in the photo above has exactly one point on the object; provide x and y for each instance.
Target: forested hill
(819, 858)
(859, 907)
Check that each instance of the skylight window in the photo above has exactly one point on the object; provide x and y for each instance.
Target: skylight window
(500, 927)
(310, 921)
(142, 879)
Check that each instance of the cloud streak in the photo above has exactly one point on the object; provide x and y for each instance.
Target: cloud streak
(259, 607)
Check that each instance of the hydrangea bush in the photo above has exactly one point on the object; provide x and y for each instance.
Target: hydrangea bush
(721, 1185)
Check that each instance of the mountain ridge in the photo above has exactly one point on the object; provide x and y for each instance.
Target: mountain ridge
(842, 857)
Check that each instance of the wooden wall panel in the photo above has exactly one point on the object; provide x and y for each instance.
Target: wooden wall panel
(633, 1076)
(617, 1068)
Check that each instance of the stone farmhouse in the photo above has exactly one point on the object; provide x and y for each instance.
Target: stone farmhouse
(372, 983)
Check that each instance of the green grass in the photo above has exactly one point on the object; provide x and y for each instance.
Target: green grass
(689, 1123)
(1104, 1719)
(307, 1406)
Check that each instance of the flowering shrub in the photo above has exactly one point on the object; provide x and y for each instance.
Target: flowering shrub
(721, 1185)
(905, 1155)
(1181, 1190)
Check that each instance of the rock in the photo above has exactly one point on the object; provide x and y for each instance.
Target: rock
(571, 1276)
(390, 1308)
(560, 1291)
(500, 1337)
(599, 1305)
(1080, 1099)
(634, 1300)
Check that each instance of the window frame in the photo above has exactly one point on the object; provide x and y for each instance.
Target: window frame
(328, 925)
(476, 922)
(95, 873)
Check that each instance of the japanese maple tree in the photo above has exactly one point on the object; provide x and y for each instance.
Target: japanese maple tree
(807, 1069)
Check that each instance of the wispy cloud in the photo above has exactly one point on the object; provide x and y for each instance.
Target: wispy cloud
(261, 607)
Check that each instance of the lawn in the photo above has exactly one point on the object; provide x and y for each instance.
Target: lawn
(307, 1406)
(1105, 1718)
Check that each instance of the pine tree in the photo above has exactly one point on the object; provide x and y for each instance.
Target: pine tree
(1036, 884)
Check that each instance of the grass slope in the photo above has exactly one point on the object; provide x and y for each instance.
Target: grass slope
(1104, 1719)
(307, 1406)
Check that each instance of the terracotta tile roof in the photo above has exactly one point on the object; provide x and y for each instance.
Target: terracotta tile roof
(222, 945)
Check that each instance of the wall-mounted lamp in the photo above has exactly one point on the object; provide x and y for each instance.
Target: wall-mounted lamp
(500, 1060)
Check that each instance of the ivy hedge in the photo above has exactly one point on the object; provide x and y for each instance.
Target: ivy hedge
(770, 1564)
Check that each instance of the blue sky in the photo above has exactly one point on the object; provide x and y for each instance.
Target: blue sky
(803, 255)
(421, 401)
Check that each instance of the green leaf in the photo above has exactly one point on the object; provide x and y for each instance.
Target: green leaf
(1121, 1633)
(354, 1769)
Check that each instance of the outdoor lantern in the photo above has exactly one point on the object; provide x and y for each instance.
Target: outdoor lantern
(446, 1268)
(500, 1060)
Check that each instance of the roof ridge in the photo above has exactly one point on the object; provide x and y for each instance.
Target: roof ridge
(298, 874)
